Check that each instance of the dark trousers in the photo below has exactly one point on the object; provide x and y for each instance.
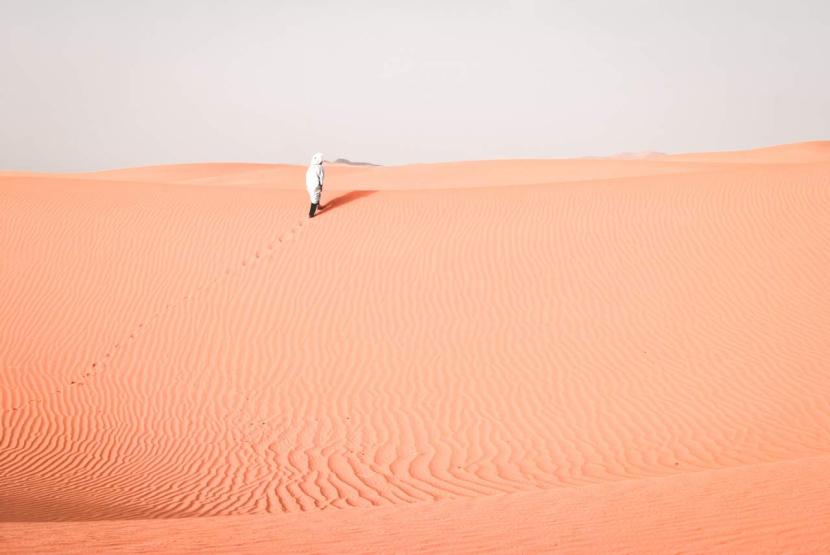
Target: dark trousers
(312, 210)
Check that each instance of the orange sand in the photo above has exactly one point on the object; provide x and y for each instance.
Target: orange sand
(573, 355)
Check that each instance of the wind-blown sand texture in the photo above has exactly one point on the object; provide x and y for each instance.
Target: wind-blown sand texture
(510, 356)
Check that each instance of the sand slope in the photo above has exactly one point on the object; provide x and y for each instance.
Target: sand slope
(769, 508)
(572, 342)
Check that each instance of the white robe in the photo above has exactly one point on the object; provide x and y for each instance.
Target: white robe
(314, 178)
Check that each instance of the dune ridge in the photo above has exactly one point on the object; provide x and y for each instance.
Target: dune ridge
(475, 174)
(182, 342)
(705, 512)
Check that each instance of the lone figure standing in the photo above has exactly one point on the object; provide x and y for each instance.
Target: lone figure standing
(314, 182)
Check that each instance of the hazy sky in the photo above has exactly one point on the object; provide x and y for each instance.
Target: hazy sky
(91, 84)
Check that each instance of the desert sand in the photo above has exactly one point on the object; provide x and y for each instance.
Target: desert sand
(592, 355)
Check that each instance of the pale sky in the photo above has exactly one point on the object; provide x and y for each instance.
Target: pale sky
(112, 83)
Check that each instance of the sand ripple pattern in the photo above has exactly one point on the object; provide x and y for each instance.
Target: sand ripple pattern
(175, 350)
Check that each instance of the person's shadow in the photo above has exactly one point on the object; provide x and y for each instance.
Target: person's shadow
(343, 199)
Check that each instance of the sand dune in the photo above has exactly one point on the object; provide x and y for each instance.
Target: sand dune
(450, 175)
(589, 350)
(773, 507)
(810, 152)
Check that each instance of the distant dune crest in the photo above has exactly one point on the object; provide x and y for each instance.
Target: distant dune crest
(347, 162)
(645, 155)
